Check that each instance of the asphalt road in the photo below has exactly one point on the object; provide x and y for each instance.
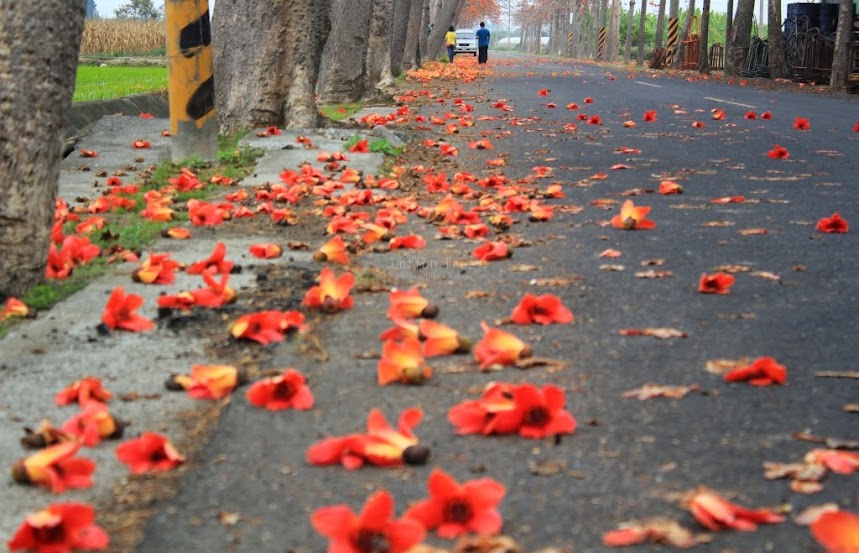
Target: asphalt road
(627, 457)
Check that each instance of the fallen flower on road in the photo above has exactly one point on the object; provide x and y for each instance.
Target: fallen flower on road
(286, 391)
(833, 224)
(94, 423)
(750, 115)
(13, 308)
(140, 144)
(402, 362)
(208, 381)
(176, 233)
(763, 371)
(778, 152)
(360, 147)
(632, 217)
(151, 452)
(491, 251)
(60, 528)
(381, 445)
(717, 513)
(654, 530)
(837, 460)
(83, 391)
(334, 251)
(718, 114)
(215, 263)
(410, 304)
(543, 92)
(649, 116)
(265, 327)
(88, 153)
(374, 529)
(717, 283)
(767, 115)
(545, 309)
(837, 531)
(438, 339)
(498, 347)
(453, 509)
(265, 251)
(56, 468)
(332, 293)
(119, 313)
(158, 269)
(801, 123)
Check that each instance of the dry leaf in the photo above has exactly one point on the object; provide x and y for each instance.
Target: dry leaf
(722, 366)
(555, 281)
(753, 231)
(808, 515)
(661, 333)
(767, 275)
(610, 253)
(547, 468)
(551, 364)
(733, 268)
(650, 391)
(424, 548)
(477, 294)
(523, 268)
(614, 268)
(228, 518)
(805, 487)
(486, 544)
(718, 224)
(637, 192)
(662, 530)
(297, 245)
(851, 407)
(134, 396)
(654, 274)
(831, 443)
(653, 262)
(368, 355)
(806, 472)
(837, 374)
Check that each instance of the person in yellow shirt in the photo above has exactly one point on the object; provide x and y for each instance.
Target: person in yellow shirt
(450, 40)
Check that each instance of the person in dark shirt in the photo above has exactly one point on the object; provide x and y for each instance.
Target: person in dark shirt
(482, 43)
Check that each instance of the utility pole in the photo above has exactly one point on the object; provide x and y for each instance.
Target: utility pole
(190, 85)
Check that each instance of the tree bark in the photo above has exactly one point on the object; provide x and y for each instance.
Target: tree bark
(742, 30)
(378, 73)
(627, 47)
(641, 36)
(843, 37)
(703, 58)
(266, 58)
(423, 40)
(39, 44)
(341, 76)
(614, 30)
(398, 36)
(775, 41)
(660, 24)
(446, 11)
(414, 31)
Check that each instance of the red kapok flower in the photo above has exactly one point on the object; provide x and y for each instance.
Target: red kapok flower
(360, 147)
(837, 531)
(778, 152)
(402, 362)
(767, 115)
(93, 423)
(632, 217)
(381, 445)
(215, 263)
(59, 528)
(717, 283)
(834, 224)
(151, 452)
(454, 509)
(543, 92)
(494, 412)
(439, 339)
(837, 460)
(491, 251)
(718, 114)
(265, 327)
(265, 251)
(650, 116)
(717, 513)
(158, 269)
(334, 251)
(498, 347)
(209, 381)
(750, 115)
(763, 371)
(140, 144)
(410, 304)
(542, 410)
(120, 312)
(372, 531)
(82, 391)
(332, 293)
(55, 467)
(801, 123)
(545, 309)
(286, 391)
(667, 187)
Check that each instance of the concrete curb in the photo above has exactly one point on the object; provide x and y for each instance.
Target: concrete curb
(85, 114)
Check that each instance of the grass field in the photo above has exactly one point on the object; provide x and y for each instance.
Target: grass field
(103, 83)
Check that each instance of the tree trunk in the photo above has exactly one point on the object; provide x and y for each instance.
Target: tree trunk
(641, 36)
(266, 58)
(446, 12)
(742, 30)
(703, 58)
(843, 37)
(426, 21)
(614, 30)
(414, 31)
(660, 24)
(39, 43)
(398, 37)
(378, 73)
(777, 65)
(341, 76)
(627, 47)
(684, 35)
(729, 24)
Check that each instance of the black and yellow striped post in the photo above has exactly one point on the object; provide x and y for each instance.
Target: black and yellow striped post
(570, 42)
(673, 40)
(191, 86)
(601, 47)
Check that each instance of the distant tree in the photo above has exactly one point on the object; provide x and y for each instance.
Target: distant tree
(91, 10)
(138, 9)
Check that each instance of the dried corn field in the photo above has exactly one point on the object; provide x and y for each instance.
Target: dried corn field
(123, 36)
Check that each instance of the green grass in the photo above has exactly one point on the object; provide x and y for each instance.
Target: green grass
(105, 83)
(338, 112)
(376, 145)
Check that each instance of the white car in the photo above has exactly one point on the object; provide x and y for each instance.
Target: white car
(466, 43)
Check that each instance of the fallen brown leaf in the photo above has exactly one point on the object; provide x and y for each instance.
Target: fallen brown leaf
(718, 224)
(523, 268)
(653, 262)
(650, 391)
(767, 276)
(228, 518)
(555, 281)
(662, 530)
(722, 366)
(808, 515)
(831, 443)
(134, 396)
(547, 468)
(477, 294)
(661, 333)
(851, 407)
(733, 268)
(550, 364)
(613, 268)
(368, 355)
(837, 374)
(753, 231)
(654, 274)
(486, 544)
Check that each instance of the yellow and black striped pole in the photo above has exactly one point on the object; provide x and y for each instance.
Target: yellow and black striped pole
(570, 43)
(601, 48)
(191, 86)
(673, 37)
